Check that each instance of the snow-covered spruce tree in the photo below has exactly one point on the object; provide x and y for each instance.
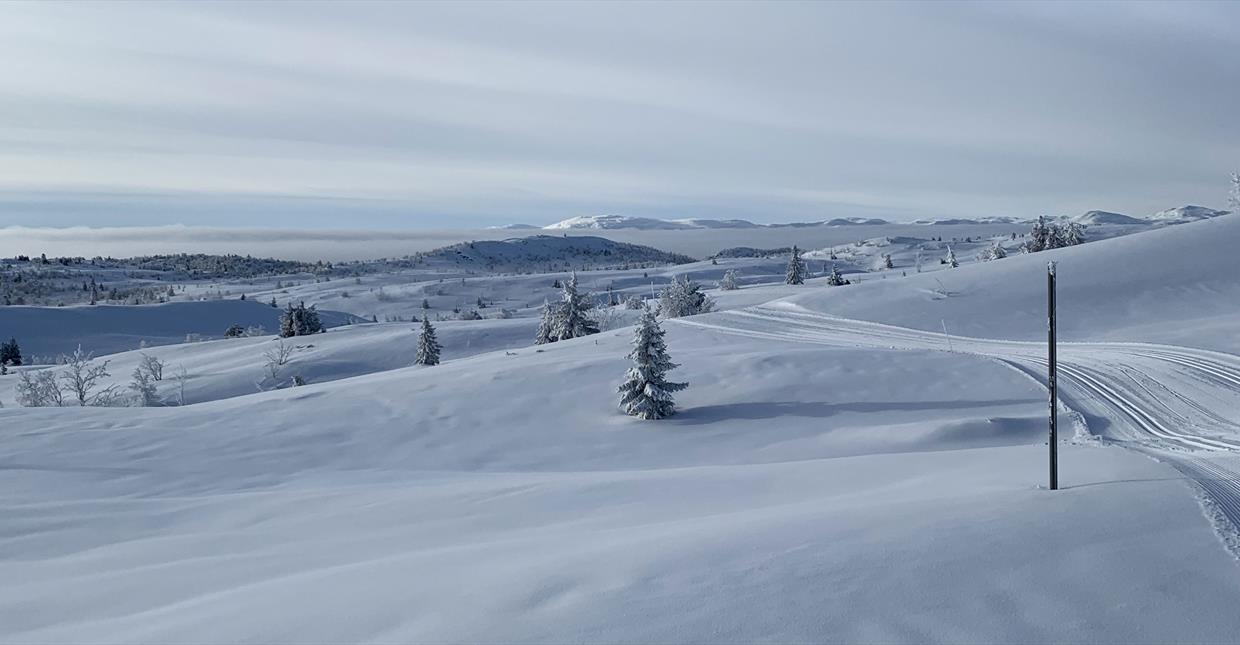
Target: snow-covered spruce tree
(683, 297)
(300, 321)
(1039, 237)
(428, 345)
(1055, 238)
(951, 258)
(546, 326)
(1073, 234)
(728, 283)
(795, 273)
(573, 319)
(835, 279)
(887, 262)
(10, 353)
(646, 392)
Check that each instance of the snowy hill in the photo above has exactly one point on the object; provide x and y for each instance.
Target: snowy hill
(105, 329)
(1185, 214)
(546, 253)
(1094, 218)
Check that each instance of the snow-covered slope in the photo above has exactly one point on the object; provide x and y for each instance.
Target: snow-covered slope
(1171, 284)
(800, 495)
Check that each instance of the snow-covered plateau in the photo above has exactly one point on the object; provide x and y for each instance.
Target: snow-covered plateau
(860, 463)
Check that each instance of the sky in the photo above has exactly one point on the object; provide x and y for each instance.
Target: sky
(470, 114)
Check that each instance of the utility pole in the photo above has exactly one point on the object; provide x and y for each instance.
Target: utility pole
(1051, 381)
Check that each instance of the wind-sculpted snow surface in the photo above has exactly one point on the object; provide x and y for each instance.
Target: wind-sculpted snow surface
(1175, 403)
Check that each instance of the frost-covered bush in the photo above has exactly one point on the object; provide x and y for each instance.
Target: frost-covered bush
(684, 297)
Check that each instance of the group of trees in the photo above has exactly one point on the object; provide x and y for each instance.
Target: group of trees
(300, 321)
(568, 318)
(1050, 235)
(80, 382)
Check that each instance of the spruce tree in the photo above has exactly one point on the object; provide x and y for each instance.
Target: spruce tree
(573, 320)
(646, 392)
(428, 345)
(546, 326)
(10, 353)
(1074, 234)
(728, 283)
(835, 279)
(951, 258)
(795, 274)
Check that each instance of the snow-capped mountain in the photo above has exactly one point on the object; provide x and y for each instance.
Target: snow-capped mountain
(1188, 213)
(619, 221)
(954, 221)
(652, 224)
(1092, 218)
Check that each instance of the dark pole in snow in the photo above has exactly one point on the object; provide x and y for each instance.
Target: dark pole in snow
(1051, 377)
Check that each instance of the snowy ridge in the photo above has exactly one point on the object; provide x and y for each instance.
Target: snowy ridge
(547, 253)
(652, 224)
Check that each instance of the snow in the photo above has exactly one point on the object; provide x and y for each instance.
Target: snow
(839, 469)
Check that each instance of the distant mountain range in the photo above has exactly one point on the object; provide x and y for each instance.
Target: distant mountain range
(613, 222)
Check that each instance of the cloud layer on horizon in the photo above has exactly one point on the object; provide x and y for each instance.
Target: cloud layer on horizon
(422, 115)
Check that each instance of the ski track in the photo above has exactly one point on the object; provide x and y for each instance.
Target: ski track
(1176, 404)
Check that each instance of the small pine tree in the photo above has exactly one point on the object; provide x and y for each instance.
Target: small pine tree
(795, 273)
(950, 260)
(684, 297)
(835, 279)
(728, 283)
(428, 345)
(646, 392)
(10, 353)
(887, 263)
(546, 326)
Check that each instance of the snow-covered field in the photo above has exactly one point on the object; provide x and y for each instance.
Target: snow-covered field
(859, 463)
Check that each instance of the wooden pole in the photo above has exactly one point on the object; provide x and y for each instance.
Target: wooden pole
(1052, 383)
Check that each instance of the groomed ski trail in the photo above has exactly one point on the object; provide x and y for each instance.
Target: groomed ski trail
(1177, 404)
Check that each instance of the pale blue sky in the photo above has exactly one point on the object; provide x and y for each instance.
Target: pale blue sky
(460, 115)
